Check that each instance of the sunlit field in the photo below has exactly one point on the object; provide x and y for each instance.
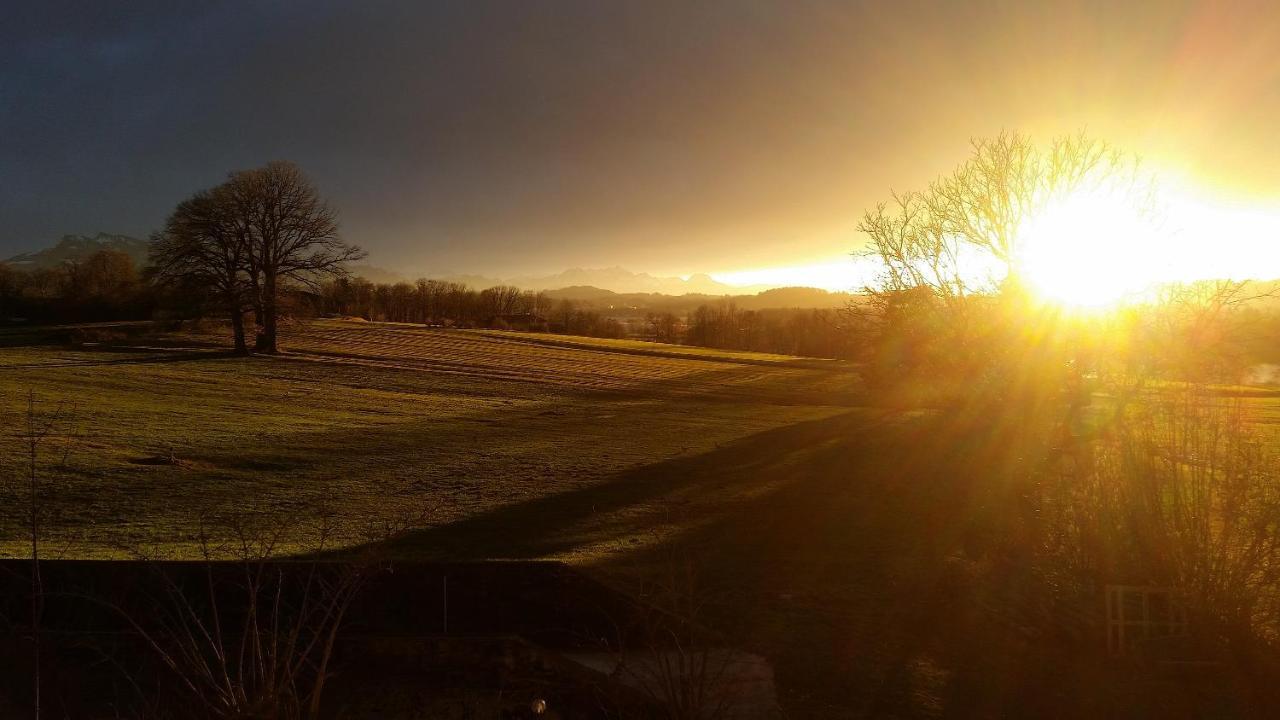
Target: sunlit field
(840, 536)
(373, 421)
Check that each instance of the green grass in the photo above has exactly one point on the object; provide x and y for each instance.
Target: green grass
(375, 421)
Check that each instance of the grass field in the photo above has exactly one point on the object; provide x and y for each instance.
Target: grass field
(830, 536)
(375, 421)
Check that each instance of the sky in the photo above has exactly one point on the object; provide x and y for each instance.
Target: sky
(517, 138)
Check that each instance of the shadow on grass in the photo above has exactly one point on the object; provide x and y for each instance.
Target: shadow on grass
(153, 358)
(553, 524)
(875, 570)
(842, 549)
(819, 539)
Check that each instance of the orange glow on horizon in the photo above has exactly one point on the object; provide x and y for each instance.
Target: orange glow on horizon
(1095, 249)
(845, 274)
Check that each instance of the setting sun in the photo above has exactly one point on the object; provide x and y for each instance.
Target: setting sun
(1090, 250)
(1099, 247)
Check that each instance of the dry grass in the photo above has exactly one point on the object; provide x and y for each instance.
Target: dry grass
(374, 420)
(851, 546)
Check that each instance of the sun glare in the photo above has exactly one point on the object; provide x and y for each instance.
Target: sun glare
(1098, 248)
(1090, 250)
(838, 275)
(1093, 249)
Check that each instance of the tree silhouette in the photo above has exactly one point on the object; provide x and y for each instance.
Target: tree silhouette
(249, 239)
(202, 242)
(292, 236)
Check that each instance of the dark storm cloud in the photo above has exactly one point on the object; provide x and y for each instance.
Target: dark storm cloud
(485, 125)
(536, 135)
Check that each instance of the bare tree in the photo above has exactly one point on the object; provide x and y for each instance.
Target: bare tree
(664, 326)
(242, 634)
(914, 248)
(500, 300)
(972, 216)
(663, 651)
(1179, 491)
(293, 237)
(276, 660)
(985, 200)
(1163, 481)
(950, 288)
(203, 242)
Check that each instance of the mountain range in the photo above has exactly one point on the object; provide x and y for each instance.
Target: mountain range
(637, 303)
(612, 279)
(616, 279)
(79, 247)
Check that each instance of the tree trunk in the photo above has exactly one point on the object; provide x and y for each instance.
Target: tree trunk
(237, 328)
(259, 327)
(270, 313)
(259, 313)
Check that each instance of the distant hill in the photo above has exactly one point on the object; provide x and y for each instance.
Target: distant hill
(79, 247)
(615, 279)
(581, 292)
(621, 280)
(638, 303)
(609, 287)
(796, 297)
(376, 274)
(476, 282)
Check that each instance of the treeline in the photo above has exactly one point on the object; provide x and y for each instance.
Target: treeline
(106, 285)
(264, 244)
(904, 334)
(814, 333)
(452, 304)
(819, 333)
